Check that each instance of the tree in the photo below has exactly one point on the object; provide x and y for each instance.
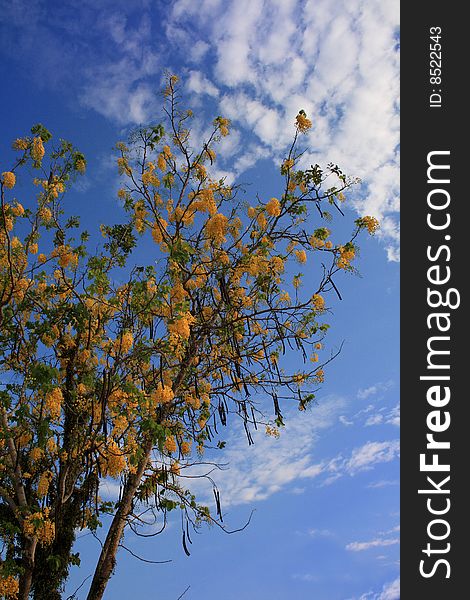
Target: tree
(105, 379)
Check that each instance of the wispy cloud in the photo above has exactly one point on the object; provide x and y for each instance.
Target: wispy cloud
(374, 390)
(307, 577)
(390, 591)
(380, 542)
(383, 483)
(320, 533)
(370, 454)
(390, 417)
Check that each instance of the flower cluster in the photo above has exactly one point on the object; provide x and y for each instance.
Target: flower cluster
(216, 228)
(40, 526)
(182, 325)
(223, 125)
(9, 587)
(303, 124)
(53, 402)
(346, 255)
(369, 223)
(8, 179)
(114, 460)
(163, 394)
(318, 303)
(170, 444)
(273, 207)
(37, 149)
(44, 483)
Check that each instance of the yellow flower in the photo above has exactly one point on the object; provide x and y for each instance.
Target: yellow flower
(20, 144)
(277, 264)
(287, 164)
(204, 201)
(223, 125)
(39, 525)
(9, 587)
(124, 343)
(301, 256)
(51, 445)
(33, 248)
(161, 162)
(216, 228)
(115, 460)
(80, 165)
(318, 302)
(182, 325)
(347, 254)
(36, 454)
(175, 468)
(157, 230)
(44, 483)
(53, 402)
(45, 214)
(8, 179)
(163, 394)
(37, 149)
(185, 448)
(261, 220)
(273, 207)
(272, 431)
(170, 444)
(123, 166)
(18, 210)
(16, 243)
(370, 223)
(66, 256)
(303, 124)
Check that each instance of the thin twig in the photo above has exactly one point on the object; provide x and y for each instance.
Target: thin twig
(179, 597)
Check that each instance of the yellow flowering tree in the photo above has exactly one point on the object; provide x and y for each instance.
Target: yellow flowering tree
(116, 370)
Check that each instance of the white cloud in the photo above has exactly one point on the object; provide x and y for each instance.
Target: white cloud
(392, 417)
(316, 533)
(374, 420)
(377, 543)
(199, 84)
(390, 591)
(383, 483)
(370, 454)
(308, 577)
(374, 390)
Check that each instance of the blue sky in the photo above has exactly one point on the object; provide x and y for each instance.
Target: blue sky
(326, 524)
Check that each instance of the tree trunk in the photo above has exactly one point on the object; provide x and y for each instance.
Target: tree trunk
(26, 578)
(107, 561)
